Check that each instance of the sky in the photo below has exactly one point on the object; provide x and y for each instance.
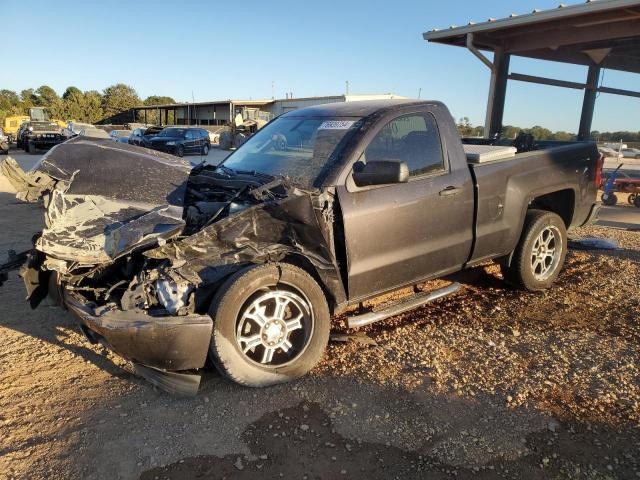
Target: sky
(255, 49)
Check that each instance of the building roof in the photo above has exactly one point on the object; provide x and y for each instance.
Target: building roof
(250, 103)
(360, 108)
(600, 32)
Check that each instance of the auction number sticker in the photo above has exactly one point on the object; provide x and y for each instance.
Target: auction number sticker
(336, 125)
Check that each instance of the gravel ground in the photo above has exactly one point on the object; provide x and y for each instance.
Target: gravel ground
(487, 383)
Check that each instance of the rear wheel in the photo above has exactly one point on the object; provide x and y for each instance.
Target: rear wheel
(609, 199)
(270, 325)
(636, 201)
(631, 198)
(540, 253)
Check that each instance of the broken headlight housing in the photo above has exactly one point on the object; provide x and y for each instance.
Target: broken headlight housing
(172, 295)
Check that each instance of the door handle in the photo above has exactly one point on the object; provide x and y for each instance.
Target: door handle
(450, 190)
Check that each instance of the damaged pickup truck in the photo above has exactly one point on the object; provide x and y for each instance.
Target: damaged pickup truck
(245, 263)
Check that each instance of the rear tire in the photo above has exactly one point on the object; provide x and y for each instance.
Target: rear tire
(256, 343)
(32, 148)
(636, 201)
(540, 253)
(609, 199)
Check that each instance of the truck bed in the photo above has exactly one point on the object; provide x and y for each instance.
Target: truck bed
(567, 170)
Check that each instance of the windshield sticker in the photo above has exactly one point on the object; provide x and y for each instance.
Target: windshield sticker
(336, 125)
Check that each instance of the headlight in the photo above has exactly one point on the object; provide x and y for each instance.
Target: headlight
(171, 143)
(171, 295)
(31, 129)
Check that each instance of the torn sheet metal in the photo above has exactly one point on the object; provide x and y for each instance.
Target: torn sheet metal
(267, 232)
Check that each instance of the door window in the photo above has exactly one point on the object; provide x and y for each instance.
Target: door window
(413, 139)
(189, 135)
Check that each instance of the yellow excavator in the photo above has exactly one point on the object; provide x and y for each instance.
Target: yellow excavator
(12, 124)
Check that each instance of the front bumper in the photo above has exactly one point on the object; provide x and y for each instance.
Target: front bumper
(161, 147)
(171, 343)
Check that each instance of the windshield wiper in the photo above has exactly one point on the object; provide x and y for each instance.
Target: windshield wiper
(254, 173)
(227, 170)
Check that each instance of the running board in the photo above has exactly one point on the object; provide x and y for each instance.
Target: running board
(401, 306)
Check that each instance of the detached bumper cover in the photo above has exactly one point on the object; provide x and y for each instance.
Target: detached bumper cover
(166, 343)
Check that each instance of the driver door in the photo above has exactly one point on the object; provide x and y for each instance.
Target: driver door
(399, 234)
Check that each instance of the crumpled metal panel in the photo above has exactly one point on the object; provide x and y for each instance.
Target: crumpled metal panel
(259, 234)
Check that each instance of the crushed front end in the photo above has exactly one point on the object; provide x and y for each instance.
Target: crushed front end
(137, 242)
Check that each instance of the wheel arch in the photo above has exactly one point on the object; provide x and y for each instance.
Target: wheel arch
(329, 280)
(561, 202)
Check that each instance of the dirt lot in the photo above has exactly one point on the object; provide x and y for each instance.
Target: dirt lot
(488, 383)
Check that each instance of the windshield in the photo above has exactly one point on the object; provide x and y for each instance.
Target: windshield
(173, 132)
(299, 148)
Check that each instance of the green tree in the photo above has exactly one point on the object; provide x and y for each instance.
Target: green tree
(93, 106)
(158, 100)
(119, 98)
(71, 92)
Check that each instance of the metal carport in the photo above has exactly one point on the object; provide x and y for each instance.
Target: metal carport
(600, 34)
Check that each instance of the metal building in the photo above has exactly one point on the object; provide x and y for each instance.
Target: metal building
(223, 112)
(600, 34)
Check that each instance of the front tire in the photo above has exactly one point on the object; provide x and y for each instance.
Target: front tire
(270, 325)
(180, 151)
(540, 253)
(205, 150)
(636, 201)
(32, 148)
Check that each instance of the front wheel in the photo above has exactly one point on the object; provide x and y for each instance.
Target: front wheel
(540, 253)
(205, 150)
(32, 148)
(636, 201)
(180, 150)
(270, 325)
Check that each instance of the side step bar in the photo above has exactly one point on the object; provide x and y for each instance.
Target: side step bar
(401, 306)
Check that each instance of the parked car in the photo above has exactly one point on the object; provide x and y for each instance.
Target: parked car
(181, 140)
(326, 207)
(121, 136)
(137, 137)
(630, 153)
(609, 152)
(75, 129)
(4, 142)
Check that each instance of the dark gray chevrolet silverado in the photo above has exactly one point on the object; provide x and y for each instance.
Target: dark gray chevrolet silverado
(245, 263)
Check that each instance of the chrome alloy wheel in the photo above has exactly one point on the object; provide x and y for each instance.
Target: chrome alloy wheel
(546, 253)
(274, 327)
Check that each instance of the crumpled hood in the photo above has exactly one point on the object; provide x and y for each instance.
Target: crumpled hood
(103, 199)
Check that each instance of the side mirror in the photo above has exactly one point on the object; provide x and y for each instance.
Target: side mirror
(380, 172)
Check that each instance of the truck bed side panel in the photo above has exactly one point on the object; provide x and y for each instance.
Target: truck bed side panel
(505, 189)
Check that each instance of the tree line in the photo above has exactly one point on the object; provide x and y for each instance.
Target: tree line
(466, 129)
(74, 104)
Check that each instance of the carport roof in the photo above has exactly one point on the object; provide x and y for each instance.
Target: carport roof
(605, 33)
